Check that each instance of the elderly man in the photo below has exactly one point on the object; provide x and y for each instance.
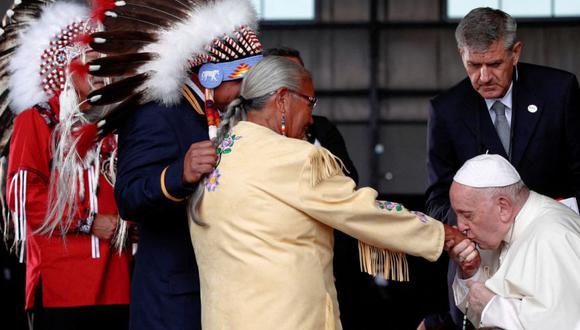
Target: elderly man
(526, 113)
(530, 280)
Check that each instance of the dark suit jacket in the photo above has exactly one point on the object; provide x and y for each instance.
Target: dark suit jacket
(545, 144)
(165, 288)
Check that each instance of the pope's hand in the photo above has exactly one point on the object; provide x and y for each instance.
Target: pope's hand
(466, 256)
(199, 160)
(478, 297)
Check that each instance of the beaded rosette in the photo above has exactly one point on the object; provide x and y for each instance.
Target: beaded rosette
(64, 48)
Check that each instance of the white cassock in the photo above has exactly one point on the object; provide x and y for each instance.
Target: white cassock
(536, 273)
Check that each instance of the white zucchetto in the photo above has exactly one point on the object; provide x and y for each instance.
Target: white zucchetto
(487, 171)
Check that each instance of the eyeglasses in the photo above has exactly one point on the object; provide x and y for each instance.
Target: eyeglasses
(312, 100)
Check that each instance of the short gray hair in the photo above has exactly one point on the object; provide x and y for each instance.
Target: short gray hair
(512, 191)
(483, 26)
(270, 74)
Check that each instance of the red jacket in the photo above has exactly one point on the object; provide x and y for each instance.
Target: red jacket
(70, 276)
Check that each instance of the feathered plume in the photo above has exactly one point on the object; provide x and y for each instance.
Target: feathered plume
(26, 85)
(179, 31)
(17, 18)
(121, 42)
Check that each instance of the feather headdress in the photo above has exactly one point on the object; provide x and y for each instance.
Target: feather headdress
(17, 18)
(39, 40)
(153, 45)
(46, 47)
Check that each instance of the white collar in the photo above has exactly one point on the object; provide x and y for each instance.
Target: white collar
(523, 219)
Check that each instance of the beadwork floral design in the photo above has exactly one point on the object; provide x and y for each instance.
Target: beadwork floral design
(389, 206)
(212, 180)
(227, 144)
(422, 217)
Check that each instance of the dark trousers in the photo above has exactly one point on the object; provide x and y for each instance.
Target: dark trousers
(102, 317)
(113, 317)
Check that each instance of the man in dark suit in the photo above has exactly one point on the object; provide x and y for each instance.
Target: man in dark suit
(529, 114)
(162, 154)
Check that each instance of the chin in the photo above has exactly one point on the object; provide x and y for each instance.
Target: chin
(480, 245)
(490, 94)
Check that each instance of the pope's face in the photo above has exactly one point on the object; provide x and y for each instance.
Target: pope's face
(490, 71)
(477, 216)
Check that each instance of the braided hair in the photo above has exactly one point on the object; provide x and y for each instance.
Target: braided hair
(269, 75)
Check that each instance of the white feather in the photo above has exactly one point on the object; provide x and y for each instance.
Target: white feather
(187, 39)
(25, 81)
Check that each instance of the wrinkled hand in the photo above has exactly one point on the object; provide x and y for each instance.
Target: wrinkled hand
(452, 234)
(104, 226)
(199, 160)
(478, 297)
(465, 255)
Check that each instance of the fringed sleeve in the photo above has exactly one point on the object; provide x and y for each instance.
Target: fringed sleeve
(386, 231)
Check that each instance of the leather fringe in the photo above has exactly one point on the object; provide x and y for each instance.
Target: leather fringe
(323, 165)
(374, 261)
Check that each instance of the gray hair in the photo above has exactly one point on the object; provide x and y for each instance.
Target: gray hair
(481, 27)
(269, 75)
(512, 191)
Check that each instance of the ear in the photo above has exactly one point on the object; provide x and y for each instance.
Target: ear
(517, 51)
(281, 98)
(506, 207)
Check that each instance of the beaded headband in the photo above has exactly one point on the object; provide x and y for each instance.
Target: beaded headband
(64, 48)
(45, 46)
(229, 57)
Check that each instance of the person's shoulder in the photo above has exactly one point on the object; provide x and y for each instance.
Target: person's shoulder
(267, 150)
(31, 116)
(321, 120)
(555, 220)
(543, 75)
(28, 114)
(453, 96)
(535, 69)
(322, 127)
(294, 150)
(157, 110)
(154, 113)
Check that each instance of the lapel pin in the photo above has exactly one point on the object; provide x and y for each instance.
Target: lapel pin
(532, 108)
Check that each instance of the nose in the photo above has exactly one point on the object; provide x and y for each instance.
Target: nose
(484, 75)
(463, 228)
